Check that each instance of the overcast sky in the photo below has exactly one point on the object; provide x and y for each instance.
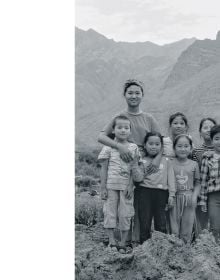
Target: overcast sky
(158, 21)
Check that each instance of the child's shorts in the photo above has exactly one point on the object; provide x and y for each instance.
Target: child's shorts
(118, 210)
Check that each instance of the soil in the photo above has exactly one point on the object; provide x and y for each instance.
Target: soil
(163, 257)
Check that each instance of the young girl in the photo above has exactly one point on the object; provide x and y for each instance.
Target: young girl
(154, 190)
(141, 123)
(116, 184)
(187, 176)
(178, 124)
(204, 129)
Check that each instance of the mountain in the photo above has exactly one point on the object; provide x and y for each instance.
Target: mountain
(200, 55)
(197, 96)
(102, 65)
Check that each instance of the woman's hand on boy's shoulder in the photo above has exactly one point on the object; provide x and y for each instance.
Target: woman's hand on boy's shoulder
(124, 152)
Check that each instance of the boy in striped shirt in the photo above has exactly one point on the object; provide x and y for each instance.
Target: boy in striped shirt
(117, 184)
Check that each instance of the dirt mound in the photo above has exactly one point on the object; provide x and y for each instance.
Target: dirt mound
(163, 257)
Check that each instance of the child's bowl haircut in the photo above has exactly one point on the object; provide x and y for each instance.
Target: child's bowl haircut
(120, 117)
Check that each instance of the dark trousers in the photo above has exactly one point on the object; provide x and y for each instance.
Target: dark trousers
(214, 213)
(201, 220)
(151, 204)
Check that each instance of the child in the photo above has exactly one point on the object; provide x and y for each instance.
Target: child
(153, 190)
(178, 124)
(210, 183)
(187, 177)
(204, 129)
(117, 184)
(141, 123)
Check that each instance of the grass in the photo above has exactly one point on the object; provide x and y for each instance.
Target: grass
(88, 207)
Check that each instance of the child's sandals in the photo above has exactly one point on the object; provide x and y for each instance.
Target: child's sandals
(124, 249)
(113, 247)
(119, 248)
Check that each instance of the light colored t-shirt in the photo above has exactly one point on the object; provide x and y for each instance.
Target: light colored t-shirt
(141, 123)
(186, 174)
(168, 147)
(119, 171)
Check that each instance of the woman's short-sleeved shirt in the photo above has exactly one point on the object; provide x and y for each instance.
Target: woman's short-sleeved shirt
(141, 123)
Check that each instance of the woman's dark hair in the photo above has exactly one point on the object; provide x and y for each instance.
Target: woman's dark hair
(149, 134)
(178, 114)
(214, 130)
(182, 136)
(133, 82)
(206, 119)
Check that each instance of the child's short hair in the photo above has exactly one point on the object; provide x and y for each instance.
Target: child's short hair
(149, 134)
(178, 114)
(120, 117)
(214, 130)
(181, 136)
(206, 119)
(133, 82)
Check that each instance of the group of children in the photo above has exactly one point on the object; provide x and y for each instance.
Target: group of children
(166, 179)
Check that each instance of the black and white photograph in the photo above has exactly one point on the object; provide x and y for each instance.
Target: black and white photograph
(147, 140)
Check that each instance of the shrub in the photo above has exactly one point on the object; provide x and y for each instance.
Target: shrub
(90, 157)
(84, 183)
(84, 169)
(88, 209)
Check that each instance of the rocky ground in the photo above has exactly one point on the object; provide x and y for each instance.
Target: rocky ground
(162, 257)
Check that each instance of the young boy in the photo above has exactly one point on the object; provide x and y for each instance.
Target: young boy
(117, 185)
(210, 183)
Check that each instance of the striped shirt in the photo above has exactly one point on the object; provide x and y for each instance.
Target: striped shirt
(198, 152)
(119, 171)
(210, 176)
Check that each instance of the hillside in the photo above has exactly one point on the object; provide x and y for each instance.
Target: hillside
(200, 55)
(102, 66)
(197, 97)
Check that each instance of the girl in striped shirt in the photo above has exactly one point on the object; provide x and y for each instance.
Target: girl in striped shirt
(204, 129)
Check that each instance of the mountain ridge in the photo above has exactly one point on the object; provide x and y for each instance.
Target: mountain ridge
(102, 69)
